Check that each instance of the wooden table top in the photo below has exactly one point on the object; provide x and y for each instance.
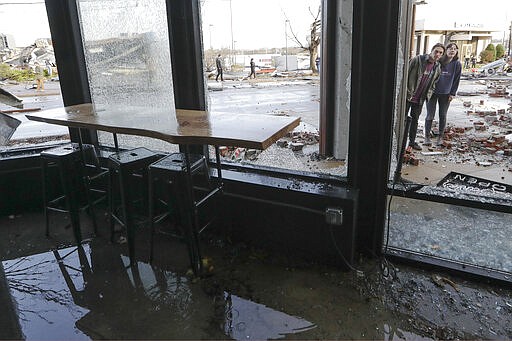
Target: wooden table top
(174, 126)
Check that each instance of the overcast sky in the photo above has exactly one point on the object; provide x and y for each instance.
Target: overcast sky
(256, 24)
(251, 24)
(26, 21)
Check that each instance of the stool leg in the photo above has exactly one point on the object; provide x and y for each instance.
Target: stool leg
(186, 209)
(71, 199)
(90, 205)
(111, 208)
(127, 214)
(44, 171)
(151, 207)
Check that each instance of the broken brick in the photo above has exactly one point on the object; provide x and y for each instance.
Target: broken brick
(223, 151)
(295, 146)
(447, 144)
(282, 143)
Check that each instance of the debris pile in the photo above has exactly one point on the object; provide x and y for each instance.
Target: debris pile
(295, 140)
(238, 154)
(487, 141)
(410, 157)
(41, 51)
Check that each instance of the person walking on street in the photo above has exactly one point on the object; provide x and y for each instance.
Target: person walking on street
(445, 91)
(424, 71)
(218, 63)
(466, 62)
(39, 71)
(253, 69)
(473, 61)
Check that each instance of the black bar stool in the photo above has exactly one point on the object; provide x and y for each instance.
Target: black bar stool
(177, 172)
(78, 168)
(127, 166)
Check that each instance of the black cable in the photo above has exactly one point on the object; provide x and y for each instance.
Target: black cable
(347, 263)
(385, 265)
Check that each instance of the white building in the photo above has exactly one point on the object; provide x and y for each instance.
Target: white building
(274, 61)
(471, 37)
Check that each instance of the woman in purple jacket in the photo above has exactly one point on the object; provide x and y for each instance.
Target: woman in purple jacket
(445, 89)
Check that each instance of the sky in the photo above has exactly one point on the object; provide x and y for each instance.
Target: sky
(251, 24)
(25, 20)
(256, 24)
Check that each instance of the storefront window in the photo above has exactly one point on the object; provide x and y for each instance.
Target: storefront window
(126, 47)
(440, 185)
(285, 51)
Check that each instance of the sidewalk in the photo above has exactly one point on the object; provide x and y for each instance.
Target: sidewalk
(469, 152)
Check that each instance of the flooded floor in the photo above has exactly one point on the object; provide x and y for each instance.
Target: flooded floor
(50, 289)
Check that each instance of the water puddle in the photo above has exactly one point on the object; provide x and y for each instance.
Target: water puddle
(86, 293)
(246, 320)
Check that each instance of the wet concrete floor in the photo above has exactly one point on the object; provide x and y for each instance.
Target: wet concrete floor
(51, 289)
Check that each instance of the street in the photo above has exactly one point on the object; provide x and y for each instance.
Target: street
(300, 97)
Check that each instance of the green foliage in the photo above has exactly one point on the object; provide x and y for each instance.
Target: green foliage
(6, 72)
(490, 47)
(491, 54)
(487, 56)
(500, 51)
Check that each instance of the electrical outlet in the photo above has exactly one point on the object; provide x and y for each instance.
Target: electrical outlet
(334, 216)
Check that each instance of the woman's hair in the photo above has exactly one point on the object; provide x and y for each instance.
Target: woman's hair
(438, 45)
(444, 59)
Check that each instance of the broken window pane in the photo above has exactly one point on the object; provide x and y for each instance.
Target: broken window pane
(477, 139)
(470, 163)
(284, 47)
(126, 46)
(25, 49)
(475, 236)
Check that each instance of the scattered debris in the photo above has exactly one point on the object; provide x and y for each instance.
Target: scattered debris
(440, 281)
(430, 153)
(10, 99)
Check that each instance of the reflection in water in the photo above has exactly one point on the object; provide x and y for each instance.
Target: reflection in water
(391, 334)
(246, 320)
(86, 292)
(44, 305)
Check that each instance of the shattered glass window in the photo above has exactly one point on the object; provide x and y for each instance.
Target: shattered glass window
(126, 48)
(25, 49)
(475, 140)
(463, 234)
(271, 64)
(469, 162)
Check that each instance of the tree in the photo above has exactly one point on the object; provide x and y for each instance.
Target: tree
(313, 40)
(489, 54)
(500, 51)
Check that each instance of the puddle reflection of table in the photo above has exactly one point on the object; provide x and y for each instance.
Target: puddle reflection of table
(186, 127)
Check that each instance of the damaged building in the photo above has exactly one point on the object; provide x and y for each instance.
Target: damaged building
(40, 51)
(298, 254)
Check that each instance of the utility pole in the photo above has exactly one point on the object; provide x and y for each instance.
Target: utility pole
(509, 39)
(286, 44)
(232, 41)
(234, 51)
(211, 46)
